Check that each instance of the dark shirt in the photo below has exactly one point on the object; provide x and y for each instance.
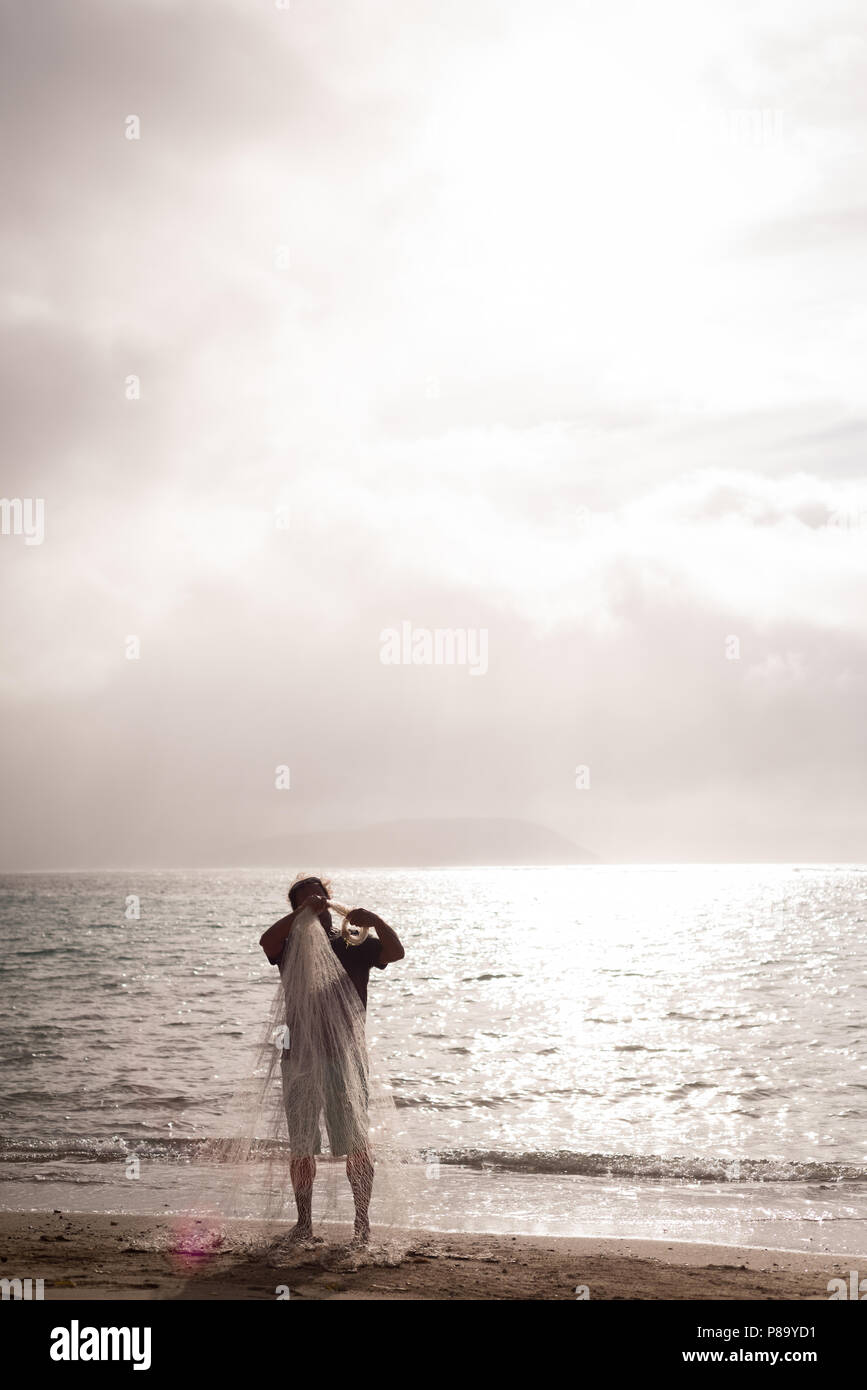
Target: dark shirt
(357, 961)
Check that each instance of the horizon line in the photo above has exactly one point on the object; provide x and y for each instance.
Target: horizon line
(422, 868)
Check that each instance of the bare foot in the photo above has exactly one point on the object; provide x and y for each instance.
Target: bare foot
(300, 1233)
(362, 1234)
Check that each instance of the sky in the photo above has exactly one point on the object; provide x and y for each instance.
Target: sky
(542, 323)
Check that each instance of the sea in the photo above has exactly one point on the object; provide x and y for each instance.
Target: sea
(667, 1052)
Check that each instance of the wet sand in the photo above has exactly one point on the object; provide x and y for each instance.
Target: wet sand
(85, 1256)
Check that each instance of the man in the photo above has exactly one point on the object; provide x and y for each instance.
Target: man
(303, 1108)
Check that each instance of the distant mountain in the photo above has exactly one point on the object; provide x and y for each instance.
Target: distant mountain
(415, 844)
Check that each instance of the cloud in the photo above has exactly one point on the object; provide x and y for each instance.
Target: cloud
(505, 319)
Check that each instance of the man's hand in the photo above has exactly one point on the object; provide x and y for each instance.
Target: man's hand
(360, 917)
(316, 902)
(390, 947)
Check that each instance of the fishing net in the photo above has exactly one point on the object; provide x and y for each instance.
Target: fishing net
(318, 1108)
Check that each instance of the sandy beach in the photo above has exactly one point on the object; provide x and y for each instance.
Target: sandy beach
(85, 1256)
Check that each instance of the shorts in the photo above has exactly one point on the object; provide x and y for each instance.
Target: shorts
(345, 1124)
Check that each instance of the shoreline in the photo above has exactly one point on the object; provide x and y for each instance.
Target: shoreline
(85, 1256)
(803, 1218)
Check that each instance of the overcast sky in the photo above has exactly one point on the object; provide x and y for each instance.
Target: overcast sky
(544, 320)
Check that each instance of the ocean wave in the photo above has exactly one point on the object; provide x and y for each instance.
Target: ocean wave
(678, 1168)
(687, 1168)
(114, 1149)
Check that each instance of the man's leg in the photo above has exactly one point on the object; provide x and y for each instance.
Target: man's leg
(302, 1171)
(302, 1118)
(359, 1170)
(347, 1126)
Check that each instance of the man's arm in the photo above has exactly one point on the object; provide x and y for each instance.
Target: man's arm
(390, 947)
(273, 940)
